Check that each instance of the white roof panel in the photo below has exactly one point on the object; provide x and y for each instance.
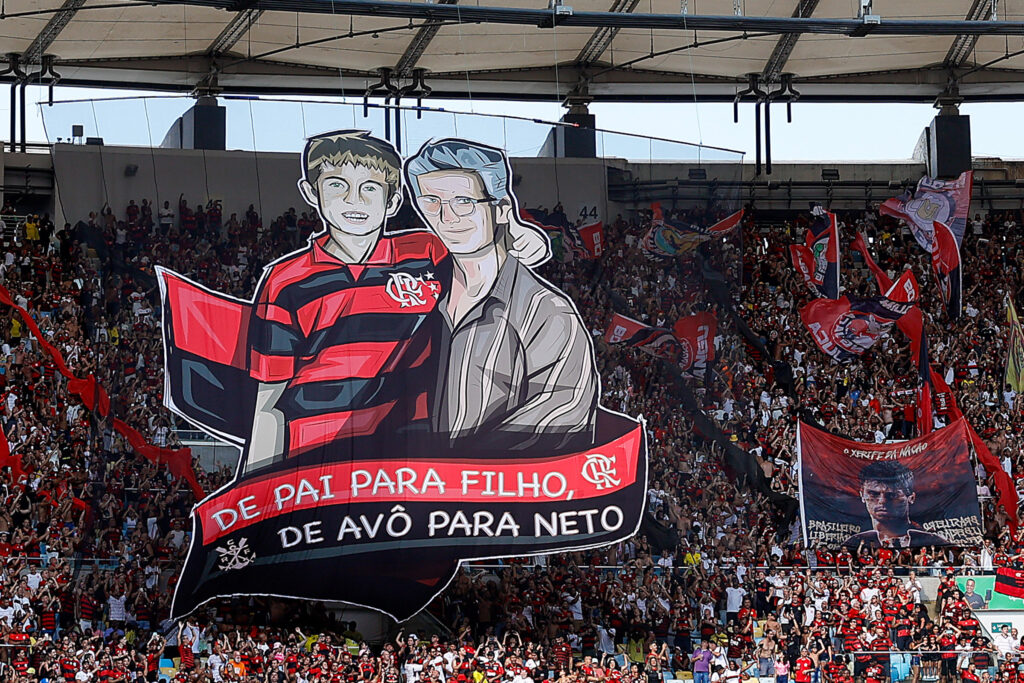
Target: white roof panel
(269, 48)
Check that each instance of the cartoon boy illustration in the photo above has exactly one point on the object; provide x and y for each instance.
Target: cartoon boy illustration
(338, 341)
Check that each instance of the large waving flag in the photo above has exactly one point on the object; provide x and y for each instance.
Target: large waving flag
(817, 260)
(912, 325)
(1005, 488)
(846, 328)
(696, 336)
(944, 201)
(656, 341)
(592, 238)
(690, 343)
(665, 238)
(946, 264)
(566, 242)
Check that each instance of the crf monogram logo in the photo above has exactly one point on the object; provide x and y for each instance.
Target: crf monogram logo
(405, 289)
(600, 470)
(235, 556)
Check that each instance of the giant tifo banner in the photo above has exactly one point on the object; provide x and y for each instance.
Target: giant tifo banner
(899, 495)
(403, 401)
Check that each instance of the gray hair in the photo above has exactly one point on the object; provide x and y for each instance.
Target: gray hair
(524, 241)
(459, 155)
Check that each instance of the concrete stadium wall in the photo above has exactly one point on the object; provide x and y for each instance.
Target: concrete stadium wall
(87, 175)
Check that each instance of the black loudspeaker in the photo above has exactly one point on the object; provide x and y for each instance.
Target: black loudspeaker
(204, 126)
(130, 170)
(950, 146)
(576, 141)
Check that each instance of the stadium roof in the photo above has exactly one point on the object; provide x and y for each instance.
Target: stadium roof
(916, 50)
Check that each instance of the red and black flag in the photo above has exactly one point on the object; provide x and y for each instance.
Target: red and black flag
(944, 201)
(657, 341)
(847, 327)
(667, 238)
(946, 265)
(817, 260)
(1010, 582)
(912, 325)
(696, 336)
(592, 238)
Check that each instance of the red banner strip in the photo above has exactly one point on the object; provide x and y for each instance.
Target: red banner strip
(597, 472)
(1004, 484)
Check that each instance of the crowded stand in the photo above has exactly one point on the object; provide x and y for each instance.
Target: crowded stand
(717, 586)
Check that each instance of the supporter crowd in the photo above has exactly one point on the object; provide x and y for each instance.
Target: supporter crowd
(716, 586)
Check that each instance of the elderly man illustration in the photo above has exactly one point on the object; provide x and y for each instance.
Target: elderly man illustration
(517, 366)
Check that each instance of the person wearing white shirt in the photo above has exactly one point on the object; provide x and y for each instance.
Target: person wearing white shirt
(1004, 641)
(718, 656)
(605, 640)
(868, 592)
(34, 578)
(215, 663)
(987, 555)
(665, 561)
(913, 586)
(734, 599)
(412, 670)
(115, 608)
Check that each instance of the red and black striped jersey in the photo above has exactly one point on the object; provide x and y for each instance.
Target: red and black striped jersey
(350, 340)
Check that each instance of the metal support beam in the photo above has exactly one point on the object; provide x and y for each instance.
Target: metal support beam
(662, 22)
(776, 63)
(603, 37)
(34, 53)
(418, 45)
(233, 32)
(964, 44)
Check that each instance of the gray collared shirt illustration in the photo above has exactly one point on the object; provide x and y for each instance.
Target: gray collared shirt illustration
(518, 371)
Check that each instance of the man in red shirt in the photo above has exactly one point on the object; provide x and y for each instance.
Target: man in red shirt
(803, 668)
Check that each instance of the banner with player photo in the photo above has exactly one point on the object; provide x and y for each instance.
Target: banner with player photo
(908, 494)
(389, 428)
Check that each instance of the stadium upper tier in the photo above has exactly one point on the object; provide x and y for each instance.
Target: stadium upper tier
(907, 50)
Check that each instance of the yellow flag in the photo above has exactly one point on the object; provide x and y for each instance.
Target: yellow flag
(1014, 351)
